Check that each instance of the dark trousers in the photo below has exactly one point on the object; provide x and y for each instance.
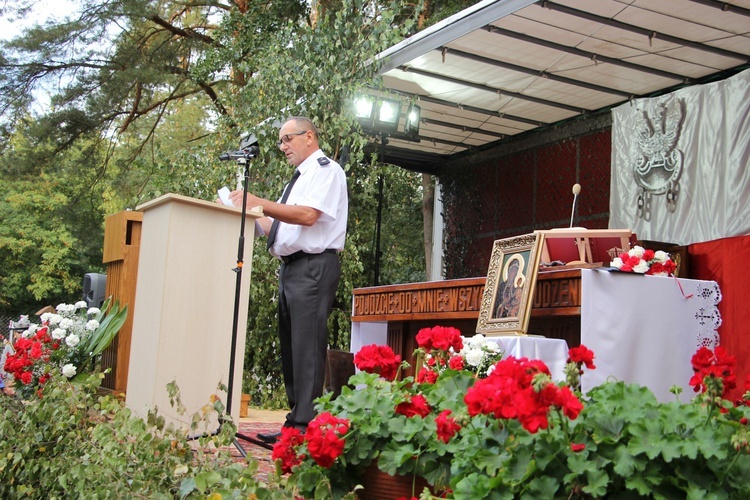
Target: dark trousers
(307, 287)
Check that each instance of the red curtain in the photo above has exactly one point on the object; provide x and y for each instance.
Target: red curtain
(727, 261)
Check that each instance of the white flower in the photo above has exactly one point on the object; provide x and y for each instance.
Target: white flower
(59, 333)
(616, 263)
(661, 256)
(474, 357)
(65, 308)
(45, 317)
(69, 370)
(636, 251)
(72, 340)
(80, 304)
(54, 319)
(92, 325)
(181, 470)
(641, 267)
(28, 333)
(33, 327)
(66, 323)
(492, 347)
(475, 341)
(93, 311)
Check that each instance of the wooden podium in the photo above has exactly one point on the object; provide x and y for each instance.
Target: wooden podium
(184, 305)
(122, 245)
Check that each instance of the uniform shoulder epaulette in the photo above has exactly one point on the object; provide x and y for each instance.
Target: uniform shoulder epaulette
(323, 161)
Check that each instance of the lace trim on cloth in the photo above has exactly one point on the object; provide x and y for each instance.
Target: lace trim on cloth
(705, 301)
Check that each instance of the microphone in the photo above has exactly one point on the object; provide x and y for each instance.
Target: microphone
(248, 153)
(576, 192)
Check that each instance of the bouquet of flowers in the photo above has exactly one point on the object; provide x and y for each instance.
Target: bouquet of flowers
(66, 342)
(642, 261)
(445, 347)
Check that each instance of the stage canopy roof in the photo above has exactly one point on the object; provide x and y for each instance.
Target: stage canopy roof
(506, 67)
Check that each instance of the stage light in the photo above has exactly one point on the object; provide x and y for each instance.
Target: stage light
(363, 108)
(411, 127)
(383, 122)
(389, 112)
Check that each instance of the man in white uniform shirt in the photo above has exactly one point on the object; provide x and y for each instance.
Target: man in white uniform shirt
(310, 230)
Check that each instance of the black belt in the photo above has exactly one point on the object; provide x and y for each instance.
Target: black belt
(288, 259)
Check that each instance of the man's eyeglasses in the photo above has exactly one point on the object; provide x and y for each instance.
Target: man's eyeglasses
(288, 137)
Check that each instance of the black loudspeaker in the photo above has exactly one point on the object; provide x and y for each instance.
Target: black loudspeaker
(94, 289)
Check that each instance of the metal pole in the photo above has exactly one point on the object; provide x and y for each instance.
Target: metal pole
(378, 220)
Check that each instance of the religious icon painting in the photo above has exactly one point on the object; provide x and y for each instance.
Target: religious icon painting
(509, 289)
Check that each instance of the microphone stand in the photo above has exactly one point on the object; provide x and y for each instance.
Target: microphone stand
(245, 160)
(576, 191)
(573, 211)
(242, 159)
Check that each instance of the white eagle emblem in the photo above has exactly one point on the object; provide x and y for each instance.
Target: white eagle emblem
(658, 165)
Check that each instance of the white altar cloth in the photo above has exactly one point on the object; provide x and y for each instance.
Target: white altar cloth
(554, 352)
(645, 329)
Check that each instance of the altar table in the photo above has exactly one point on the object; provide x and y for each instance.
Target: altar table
(642, 329)
(645, 329)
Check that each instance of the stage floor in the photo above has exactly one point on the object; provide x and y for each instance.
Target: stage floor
(258, 421)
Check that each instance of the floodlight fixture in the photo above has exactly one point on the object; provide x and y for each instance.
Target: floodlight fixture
(363, 108)
(389, 112)
(411, 125)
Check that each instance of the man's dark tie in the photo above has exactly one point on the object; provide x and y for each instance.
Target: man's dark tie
(275, 225)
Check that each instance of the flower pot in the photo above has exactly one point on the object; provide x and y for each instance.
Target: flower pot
(381, 486)
(244, 402)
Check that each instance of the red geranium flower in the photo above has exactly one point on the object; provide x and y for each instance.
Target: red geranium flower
(285, 448)
(440, 338)
(717, 364)
(426, 376)
(324, 438)
(517, 389)
(532, 413)
(582, 355)
(456, 363)
(416, 406)
(571, 406)
(702, 358)
(378, 359)
(446, 426)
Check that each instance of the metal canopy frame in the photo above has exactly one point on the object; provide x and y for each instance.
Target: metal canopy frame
(503, 68)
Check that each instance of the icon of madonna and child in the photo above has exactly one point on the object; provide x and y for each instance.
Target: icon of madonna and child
(510, 290)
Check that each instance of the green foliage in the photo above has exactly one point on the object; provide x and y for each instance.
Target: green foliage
(398, 444)
(169, 89)
(74, 443)
(40, 256)
(437, 11)
(51, 220)
(624, 444)
(111, 317)
(633, 446)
